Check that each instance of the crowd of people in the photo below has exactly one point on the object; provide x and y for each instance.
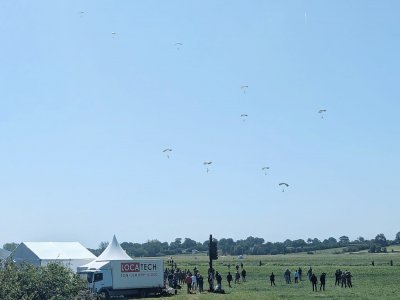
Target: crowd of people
(343, 278)
(176, 278)
(194, 281)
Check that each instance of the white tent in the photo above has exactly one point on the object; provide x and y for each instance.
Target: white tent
(70, 254)
(4, 254)
(113, 251)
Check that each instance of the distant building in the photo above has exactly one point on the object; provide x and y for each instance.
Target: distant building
(70, 254)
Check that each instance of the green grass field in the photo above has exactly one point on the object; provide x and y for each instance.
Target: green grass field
(381, 281)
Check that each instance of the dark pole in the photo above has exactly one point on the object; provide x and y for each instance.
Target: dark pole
(209, 251)
(210, 270)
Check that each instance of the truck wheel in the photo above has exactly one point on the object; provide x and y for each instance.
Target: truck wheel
(104, 295)
(143, 294)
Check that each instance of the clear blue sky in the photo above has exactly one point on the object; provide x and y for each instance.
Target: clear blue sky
(85, 115)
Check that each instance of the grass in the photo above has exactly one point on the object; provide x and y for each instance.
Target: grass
(369, 282)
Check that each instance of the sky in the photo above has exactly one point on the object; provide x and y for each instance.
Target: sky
(92, 92)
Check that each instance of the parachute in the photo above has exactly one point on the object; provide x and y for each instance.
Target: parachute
(265, 169)
(166, 151)
(322, 111)
(244, 88)
(283, 184)
(178, 45)
(207, 163)
(243, 116)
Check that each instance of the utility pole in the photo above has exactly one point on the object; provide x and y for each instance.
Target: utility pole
(213, 255)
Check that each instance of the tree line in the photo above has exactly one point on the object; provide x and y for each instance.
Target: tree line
(254, 246)
(248, 246)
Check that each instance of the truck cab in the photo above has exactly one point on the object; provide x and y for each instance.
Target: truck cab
(98, 281)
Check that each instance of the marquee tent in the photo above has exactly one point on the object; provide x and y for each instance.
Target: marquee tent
(4, 254)
(70, 254)
(113, 251)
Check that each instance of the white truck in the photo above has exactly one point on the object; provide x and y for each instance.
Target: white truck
(126, 278)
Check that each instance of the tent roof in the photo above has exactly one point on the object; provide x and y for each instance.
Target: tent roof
(93, 265)
(113, 251)
(4, 253)
(59, 250)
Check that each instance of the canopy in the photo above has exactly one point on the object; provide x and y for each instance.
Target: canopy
(113, 251)
(70, 254)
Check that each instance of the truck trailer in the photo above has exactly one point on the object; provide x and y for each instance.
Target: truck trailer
(138, 277)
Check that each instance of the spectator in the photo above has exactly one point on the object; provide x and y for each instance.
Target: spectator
(237, 277)
(348, 279)
(188, 282)
(296, 276)
(322, 280)
(338, 275)
(201, 283)
(314, 282)
(272, 279)
(194, 282)
(343, 279)
(244, 275)
(218, 277)
(229, 278)
(309, 273)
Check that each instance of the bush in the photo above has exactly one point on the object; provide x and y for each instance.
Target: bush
(54, 281)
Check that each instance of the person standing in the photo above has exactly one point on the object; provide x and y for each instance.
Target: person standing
(244, 275)
(272, 279)
(229, 278)
(296, 276)
(286, 275)
(314, 281)
(237, 277)
(322, 279)
(201, 283)
(188, 281)
(218, 277)
(343, 279)
(309, 273)
(194, 282)
(348, 279)
(338, 275)
(300, 272)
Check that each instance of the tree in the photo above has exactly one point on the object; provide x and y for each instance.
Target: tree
(344, 240)
(380, 239)
(226, 245)
(189, 244)
(397, 238)
(103, 246)
(299, 243)
(316, 241)
(53, 281)
(10, 246)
